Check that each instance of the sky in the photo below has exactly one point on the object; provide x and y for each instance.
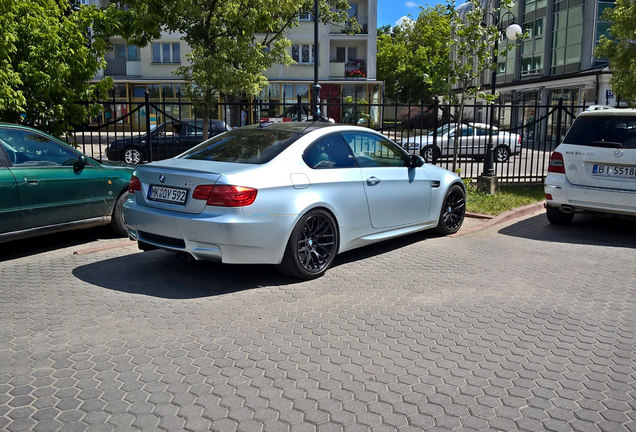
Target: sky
(390, 11)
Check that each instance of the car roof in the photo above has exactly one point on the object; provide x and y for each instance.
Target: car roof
(298, 127)
(609, 112)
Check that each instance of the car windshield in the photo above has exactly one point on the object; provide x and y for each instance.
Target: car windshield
(249, 146)
(602, 131)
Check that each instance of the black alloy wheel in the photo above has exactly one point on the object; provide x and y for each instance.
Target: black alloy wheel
(312, 246)
(502, 153)
(453, 211)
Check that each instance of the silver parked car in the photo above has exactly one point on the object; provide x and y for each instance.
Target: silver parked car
(473, 142)
(290, 194)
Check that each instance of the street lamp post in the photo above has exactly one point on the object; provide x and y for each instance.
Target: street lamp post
(316, 87)
(512, 32)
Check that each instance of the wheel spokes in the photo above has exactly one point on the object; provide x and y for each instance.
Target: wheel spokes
(316, 244)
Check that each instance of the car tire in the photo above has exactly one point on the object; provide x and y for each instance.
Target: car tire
(117, 218)
(557, 217)
(312, 246)
(430, 153)
(502, 153)
(132, 155)
(453, 211)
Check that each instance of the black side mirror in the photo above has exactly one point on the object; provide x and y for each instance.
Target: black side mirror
(80, 163)
(416, 161)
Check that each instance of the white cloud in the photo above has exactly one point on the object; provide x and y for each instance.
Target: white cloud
(403, 20)
(411, 4)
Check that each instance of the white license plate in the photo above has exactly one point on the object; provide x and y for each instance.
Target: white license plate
(167, 194)
(620, 171)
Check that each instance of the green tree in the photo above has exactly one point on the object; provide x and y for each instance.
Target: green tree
(413, 58)
(233, 41)
(620, 48)
(47, 61)
(473, 37)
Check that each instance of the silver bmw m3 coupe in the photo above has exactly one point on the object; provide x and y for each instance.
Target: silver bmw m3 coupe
(289, 194)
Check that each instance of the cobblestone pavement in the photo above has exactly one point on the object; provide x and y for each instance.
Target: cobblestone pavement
(523, 326)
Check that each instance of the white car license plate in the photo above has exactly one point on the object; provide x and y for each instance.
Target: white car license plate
(167, 194)
(620, 171)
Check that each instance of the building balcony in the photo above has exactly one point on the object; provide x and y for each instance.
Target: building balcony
(115, 67)
(344, 29)
(351, 69)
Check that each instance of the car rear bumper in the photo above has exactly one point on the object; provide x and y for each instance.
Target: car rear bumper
(585, 198)
(233, 238)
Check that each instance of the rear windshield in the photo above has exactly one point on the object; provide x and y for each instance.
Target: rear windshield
(249, 146)
(603, 131)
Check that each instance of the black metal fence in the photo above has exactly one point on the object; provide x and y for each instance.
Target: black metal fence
(524, 134)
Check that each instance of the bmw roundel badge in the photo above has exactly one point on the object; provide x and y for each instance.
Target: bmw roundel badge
(162, 178)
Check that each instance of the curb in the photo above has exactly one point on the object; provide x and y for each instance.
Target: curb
(504, 217)
(103, 248)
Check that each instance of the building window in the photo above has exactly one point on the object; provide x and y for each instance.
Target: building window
(531, 65)
(567, 37)
(303, 53)
(166, 52)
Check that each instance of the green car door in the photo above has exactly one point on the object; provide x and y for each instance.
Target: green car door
(55, 183)
(9, 198)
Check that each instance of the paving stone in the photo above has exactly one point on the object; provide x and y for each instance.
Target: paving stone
(397, 336)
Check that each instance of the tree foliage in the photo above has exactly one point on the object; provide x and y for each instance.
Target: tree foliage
(47, 62)
(233, 42)
(620, 49)
(474, 35)
(413, 58)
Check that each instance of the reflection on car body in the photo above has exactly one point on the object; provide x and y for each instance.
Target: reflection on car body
(290, 194)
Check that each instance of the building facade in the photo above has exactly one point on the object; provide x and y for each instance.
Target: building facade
(346, 65)
(556, 61)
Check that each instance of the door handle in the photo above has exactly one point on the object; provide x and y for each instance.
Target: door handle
(32, 181)
(372, 181)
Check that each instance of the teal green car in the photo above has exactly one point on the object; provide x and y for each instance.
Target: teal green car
(47, 186)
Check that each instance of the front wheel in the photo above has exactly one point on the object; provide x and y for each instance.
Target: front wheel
(502, 153)
(132, 155)
(312, 246)
(453, 210)
(117, 219)
(557, 217)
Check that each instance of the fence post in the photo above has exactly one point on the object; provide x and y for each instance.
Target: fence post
(559, 121)
(300, 107)
(435, 126)
(148, 139)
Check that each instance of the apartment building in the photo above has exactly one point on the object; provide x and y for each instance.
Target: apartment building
(346, 65)
(556, 61)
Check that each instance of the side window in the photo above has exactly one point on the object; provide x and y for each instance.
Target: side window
(329, 152)
(374, 151)
(32, 149)
(466, 131)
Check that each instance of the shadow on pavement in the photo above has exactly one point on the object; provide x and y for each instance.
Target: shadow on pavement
(586, 229)
(47, 243)
(160, 274)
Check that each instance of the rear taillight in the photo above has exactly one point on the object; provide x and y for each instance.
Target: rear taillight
(548, 196)
(225, 195)
(556, 163)
(286, 119)
(134, 184)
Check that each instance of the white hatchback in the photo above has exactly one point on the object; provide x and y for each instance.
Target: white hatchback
(594, 168)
